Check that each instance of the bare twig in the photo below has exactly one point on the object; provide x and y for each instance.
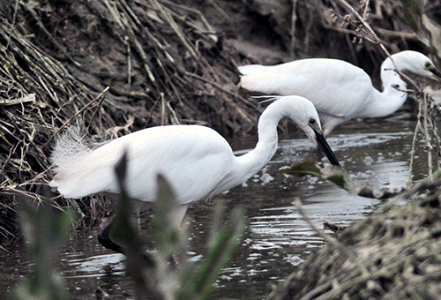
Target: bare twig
(293, 27)
(330, 240)
(365, 31)
(99, 97)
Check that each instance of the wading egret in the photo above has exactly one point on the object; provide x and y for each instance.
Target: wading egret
(339, 90)
(196, 160)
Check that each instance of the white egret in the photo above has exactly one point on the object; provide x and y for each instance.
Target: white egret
(339, 90)
(196, 160)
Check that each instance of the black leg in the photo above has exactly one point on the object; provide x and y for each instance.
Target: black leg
(105, 240)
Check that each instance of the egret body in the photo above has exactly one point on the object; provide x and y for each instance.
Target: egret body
(196, 161)
(339, 90)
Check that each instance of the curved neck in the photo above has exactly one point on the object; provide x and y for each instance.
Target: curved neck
(388, 73)
(385, 103)
(390, 100)
(266, 147)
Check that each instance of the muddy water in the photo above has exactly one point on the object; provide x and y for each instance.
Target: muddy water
(277, 239)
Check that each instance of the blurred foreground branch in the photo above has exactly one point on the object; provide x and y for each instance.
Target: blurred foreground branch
(168, 274)
(391, 254)
(45, 231)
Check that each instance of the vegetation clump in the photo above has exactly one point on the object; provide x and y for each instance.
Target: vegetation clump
(392, 254)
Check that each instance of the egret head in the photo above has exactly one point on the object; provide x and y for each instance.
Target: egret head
(429, 66)
(321, 142)
(307, 119)
(417, 63)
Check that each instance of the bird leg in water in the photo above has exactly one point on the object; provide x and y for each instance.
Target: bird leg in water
(106, 241)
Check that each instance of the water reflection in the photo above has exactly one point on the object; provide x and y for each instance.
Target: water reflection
(277, 239)
(81, 266)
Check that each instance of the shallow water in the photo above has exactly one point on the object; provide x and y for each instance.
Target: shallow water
(277, 239)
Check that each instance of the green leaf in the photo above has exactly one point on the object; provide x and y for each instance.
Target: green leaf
(198, 283)
(45, 230)
(305, 167)
(167, 233)
(140, 265)
(335, 174)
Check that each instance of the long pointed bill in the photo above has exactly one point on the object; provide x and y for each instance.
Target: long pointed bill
(324, 146)
(436, 72)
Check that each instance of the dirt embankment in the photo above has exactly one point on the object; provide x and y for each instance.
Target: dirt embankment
(126, 65)
(392, 254)
(119, 66)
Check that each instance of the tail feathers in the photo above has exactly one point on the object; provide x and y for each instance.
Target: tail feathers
(255, 79)
(67, 188)
(68, 144)
(68, 149)
(72, 169)
(249, 69)
(76, 184)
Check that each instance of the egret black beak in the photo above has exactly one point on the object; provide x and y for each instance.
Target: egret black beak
(436, 72)
(323, 145)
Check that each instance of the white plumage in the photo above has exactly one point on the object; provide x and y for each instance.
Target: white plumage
(176, 151)
(339, 90)
(196, 160)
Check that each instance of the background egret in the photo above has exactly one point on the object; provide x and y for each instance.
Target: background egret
(196, 160)
(339, 90)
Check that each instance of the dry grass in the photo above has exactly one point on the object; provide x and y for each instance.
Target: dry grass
(392, 254)
(120, 66)
(115, 67)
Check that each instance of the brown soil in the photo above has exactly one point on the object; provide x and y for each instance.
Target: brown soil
(392, 254)
(121, 66)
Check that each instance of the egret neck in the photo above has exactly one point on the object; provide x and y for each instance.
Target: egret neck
(266, 147)
(392, 98)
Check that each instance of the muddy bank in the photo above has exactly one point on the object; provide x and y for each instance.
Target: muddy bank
(121, 66)
(392, 254)
(113, 67)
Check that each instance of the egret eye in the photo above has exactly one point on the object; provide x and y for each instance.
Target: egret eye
(427, 65)
(312, 122)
